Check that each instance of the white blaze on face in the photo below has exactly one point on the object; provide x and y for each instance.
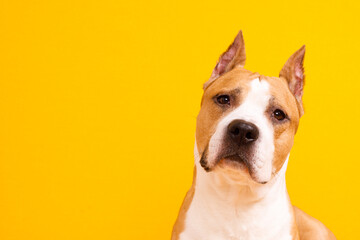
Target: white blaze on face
(253, 110)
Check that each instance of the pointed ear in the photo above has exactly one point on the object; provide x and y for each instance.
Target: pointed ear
(233, 56)
(293, 72)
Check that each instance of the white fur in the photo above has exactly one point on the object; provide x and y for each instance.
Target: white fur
(224, 208)
(252, 110)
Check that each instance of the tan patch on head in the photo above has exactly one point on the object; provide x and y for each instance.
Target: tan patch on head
(233, 83)
(284, 132)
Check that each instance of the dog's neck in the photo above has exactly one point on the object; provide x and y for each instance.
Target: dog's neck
(244, 208)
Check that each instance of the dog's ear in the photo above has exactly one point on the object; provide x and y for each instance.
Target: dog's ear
(293, 72)
(233, 56)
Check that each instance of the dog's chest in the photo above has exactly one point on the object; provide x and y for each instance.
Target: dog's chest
(212, 220)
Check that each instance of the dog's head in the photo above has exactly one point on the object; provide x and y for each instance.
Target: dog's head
(247, 121)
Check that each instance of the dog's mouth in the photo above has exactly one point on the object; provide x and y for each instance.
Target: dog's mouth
(228, 158)
(236, 160)
(232, 160)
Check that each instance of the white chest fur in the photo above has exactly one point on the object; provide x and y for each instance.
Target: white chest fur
(224, 210)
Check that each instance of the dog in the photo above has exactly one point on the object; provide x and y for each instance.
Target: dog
(245, 130)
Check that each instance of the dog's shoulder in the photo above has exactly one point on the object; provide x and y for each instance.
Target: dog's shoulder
(180, 221)
(311, 228)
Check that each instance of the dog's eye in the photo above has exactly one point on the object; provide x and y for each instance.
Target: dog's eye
(279, 115)
(223, 99)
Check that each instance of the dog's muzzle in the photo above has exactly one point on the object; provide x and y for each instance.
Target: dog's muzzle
(237, 145)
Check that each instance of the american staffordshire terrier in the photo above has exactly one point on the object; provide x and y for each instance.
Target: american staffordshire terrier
(244, 133)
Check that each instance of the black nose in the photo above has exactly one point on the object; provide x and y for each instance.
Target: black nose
(243, 132)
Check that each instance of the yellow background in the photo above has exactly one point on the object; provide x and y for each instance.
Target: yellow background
(98, 102)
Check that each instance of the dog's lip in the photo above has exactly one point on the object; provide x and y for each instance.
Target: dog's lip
(235, 157)
(241, 160)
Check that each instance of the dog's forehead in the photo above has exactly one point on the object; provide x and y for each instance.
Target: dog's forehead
(242, 79)
(235, 79)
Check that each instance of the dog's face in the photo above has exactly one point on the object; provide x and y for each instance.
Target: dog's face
(247, 121)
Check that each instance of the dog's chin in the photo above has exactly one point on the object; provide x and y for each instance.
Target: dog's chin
(234, 164)
(234, 161)
(237, 167)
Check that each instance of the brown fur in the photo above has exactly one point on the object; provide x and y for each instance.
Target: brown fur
(180, 221)
(311, 228)
(283, 133)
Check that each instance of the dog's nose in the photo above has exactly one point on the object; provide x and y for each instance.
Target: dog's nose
(243, 132)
